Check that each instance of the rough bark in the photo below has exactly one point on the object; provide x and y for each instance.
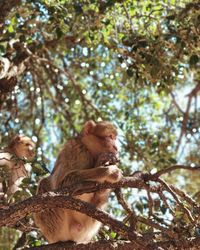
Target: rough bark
(100, 245)
(182, 244)
(171, 239)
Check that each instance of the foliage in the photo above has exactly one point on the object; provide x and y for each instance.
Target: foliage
(135, 63)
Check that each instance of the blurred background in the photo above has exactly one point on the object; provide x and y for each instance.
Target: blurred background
(134, 63)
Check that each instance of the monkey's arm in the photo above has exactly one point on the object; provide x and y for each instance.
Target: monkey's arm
(100, 174)
(104, 170)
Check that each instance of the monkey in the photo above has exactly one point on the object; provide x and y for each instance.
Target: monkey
(81, 159)
(19, 149)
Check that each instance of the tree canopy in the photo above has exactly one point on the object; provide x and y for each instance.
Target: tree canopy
(134, 63)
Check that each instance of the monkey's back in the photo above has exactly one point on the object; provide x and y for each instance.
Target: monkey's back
(73, 156)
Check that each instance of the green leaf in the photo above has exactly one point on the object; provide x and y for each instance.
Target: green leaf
(129, 72)
(2, 49)
(194, 59)
(59, 32)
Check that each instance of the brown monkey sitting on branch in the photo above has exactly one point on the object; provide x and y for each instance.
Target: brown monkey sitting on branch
(20, 148)
(82, 159)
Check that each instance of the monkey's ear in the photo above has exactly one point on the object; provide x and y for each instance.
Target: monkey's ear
(17, 138)
(88, 127)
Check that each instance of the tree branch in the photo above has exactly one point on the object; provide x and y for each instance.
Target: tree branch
(192, 243)
(173, 168)
(10, 215)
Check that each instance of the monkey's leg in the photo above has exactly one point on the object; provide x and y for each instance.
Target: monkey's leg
(100, 198)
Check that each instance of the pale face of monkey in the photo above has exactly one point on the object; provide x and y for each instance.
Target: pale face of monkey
(24, 147)
(100, 138)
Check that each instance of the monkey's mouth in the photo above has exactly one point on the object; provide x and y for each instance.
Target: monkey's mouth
(31, 154)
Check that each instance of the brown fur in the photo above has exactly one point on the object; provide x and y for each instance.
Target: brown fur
(77, 162)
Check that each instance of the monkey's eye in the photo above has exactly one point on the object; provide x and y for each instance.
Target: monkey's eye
(29, 146)
(112, 137)
(100, 137)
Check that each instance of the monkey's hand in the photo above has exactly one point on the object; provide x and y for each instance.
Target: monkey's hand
(114, 174)
(106, 159)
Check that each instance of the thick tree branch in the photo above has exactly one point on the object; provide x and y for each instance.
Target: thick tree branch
(13, 213)
(100, 245)
(180, 244)
(10, 215)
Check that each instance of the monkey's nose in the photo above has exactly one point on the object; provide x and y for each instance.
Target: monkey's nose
(30, 148)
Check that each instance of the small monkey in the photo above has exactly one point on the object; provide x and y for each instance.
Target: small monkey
(82, 158)
(21, 147)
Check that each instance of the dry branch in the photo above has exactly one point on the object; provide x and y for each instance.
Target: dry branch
(181, 244)
(10, 215)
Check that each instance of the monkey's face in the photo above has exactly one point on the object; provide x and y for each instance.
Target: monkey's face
(24, 147)
(100, 138)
